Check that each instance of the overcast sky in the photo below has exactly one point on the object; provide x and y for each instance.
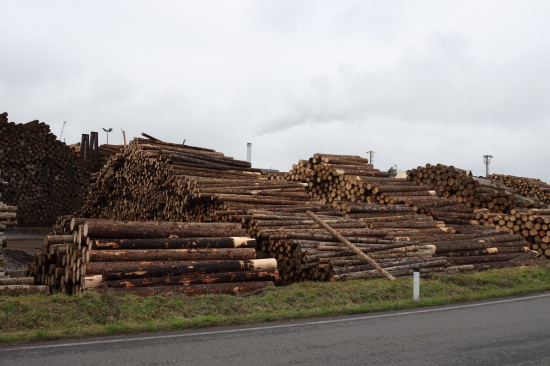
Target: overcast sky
(415, 81)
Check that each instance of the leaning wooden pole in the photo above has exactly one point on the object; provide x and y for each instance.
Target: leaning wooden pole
(356, 250)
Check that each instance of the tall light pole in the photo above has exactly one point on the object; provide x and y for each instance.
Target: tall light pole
(371, 155)
(107, 130)
(487, 161)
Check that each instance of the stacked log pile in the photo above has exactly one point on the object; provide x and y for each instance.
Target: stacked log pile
(403, 209)
(306, 251)
(337, 179)
(45, 178)
(105, 152)
(200, 185)
(152, 258)
(13, 282)
(528, 187)
(8, 214)
(475, 192)
(533, 224)
(494, 201)
(205, 186)
(464, 246)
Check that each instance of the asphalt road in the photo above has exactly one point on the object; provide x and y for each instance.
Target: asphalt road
(502, 332)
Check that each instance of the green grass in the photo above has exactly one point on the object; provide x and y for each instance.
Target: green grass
(41, 317)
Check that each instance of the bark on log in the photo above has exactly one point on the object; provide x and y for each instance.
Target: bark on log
(351, 246)
(171, 254)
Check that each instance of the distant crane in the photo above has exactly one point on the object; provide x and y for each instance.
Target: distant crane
(62, 129)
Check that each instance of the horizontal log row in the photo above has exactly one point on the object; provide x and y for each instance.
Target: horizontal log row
(528, 187)
(474, 192)
(45, 178)
(109, 254)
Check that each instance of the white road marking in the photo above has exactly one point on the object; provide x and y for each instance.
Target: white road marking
(270, 327)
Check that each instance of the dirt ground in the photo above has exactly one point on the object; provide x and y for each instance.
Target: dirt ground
(18, 254)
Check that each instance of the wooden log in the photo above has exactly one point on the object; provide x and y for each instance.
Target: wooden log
(123, 271)
(143, 230)
(196, 279)
(351, 246)
(171, 254)
(58, 239)
(23, 289)
(172, 243)
(17, 281)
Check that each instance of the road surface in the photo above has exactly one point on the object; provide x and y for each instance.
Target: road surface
(513, 331)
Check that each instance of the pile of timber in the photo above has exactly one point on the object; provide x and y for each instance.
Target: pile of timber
(13, 282)
(339, 179)
(8, 214)
(465, 247)
(104, 152)
(528, 187)
(205, 186)
(475, 192)
(17, 282)
(333, 178)
(305, 250)
(174, 182)
(532, 224)
(152, 258)
(403, 209)
(45, 178)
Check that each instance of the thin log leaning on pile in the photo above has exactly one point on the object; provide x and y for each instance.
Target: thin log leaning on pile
(153, 257)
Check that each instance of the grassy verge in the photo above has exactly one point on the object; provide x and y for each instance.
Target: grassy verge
(40, 317)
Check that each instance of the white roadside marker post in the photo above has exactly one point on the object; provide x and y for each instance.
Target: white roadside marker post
(416, 284)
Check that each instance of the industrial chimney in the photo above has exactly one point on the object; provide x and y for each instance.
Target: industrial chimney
(249, 152)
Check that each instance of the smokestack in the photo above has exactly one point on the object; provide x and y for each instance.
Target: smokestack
(249, 152)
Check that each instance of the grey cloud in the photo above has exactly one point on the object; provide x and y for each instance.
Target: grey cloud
(442, 83)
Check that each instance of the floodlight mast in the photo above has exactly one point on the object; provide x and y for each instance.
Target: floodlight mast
(107, 130)
(371, 156)
(487, 161)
